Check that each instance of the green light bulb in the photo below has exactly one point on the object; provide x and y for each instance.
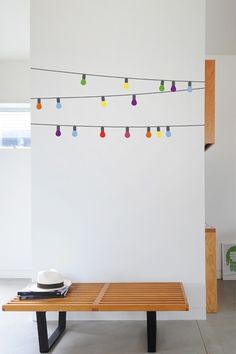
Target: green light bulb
(83, 80)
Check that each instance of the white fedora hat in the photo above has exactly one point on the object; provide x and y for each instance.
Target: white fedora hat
(51, 280)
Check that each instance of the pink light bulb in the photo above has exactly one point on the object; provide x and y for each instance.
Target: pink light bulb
(127, 133)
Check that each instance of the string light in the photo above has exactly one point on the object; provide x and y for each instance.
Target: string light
(190, 89)
(134, 101)
(39, 104)
(109, 76)
(83, 80)
(159, 132)
(173, 87)
(102, 133)
(58, 105)
(58, 131)
(126, 83)
(168, 132)
(74, 131)
(103, 101)
(162, 86)
(148, 133)
(127, 133)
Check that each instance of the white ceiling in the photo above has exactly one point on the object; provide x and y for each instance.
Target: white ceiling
(221, 27)
(14, 29)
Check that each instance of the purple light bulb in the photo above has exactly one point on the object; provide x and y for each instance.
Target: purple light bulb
(134, 101)
(127, 133)
(173, 87)
(58, 131)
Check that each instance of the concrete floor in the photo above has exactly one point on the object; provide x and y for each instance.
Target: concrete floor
(216, 335)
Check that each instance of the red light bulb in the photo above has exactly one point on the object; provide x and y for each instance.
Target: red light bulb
(102, 133)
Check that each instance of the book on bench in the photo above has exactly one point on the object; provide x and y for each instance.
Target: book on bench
(31, 292)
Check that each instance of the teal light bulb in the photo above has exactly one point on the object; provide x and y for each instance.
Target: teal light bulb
(74, 131)
(168, 132)
(58, 105)
(190, 89)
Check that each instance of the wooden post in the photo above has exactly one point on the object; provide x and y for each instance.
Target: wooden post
(211, 275)
(209, 103)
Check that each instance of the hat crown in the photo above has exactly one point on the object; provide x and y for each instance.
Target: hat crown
(51, 276)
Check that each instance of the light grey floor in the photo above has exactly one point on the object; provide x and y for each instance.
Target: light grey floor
(217, 335)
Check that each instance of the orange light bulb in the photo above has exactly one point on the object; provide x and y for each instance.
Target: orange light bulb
(39, 104)
(148, 134)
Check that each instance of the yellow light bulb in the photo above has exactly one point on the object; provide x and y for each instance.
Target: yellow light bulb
(159, 132)
(103, 102)
(126, 83)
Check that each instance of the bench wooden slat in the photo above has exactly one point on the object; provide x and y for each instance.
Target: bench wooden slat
(110, 297)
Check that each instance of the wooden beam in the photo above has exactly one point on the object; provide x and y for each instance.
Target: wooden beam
(209, 102)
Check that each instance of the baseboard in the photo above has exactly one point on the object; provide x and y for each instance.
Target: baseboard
(15, 273)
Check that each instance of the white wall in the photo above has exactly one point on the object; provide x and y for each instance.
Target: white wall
(221, 158)
(15, 188)
(112, 209)
(14, 81)
(15, 235)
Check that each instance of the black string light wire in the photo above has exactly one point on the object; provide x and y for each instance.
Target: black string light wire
(39, 100)
(124, 78)
(161, 89)
(159, 128)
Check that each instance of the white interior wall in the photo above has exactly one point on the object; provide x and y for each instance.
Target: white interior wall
(15, 189)
(221, 158)
(14, 81)
(16, 259)
(116, 209)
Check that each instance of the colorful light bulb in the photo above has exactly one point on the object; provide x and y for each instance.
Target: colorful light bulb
(39, 104)
(83, 80)
(126, 83)
(127, 133)
(173, 87)
(102, 133)
(74, 131)
(168, 132)
(162, 86)
(190, 89)
(103, 101)
(58, 105)
(58, 131)
(148, 133)
(159, 132)
(134, 101)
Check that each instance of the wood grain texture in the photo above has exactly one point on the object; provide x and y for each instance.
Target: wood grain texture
(211, 274)
(110, 297)
(209, 103)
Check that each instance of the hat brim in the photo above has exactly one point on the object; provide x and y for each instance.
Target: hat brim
(34, 287)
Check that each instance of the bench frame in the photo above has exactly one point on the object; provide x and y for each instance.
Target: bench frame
(46, 343)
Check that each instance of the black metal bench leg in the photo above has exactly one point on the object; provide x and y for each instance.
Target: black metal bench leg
(151, 331)
(45, 343)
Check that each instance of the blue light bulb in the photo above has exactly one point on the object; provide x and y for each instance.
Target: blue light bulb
(74, 131)
(58, 105)
(168, 132)
(190, 89)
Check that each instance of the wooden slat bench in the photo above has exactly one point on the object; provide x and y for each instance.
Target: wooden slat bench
(148, 297)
